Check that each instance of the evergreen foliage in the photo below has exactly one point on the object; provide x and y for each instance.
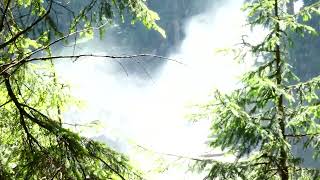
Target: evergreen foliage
(304, 56)
(273, 109)
(34, 143)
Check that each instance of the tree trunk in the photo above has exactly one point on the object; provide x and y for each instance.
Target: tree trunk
(283, 168)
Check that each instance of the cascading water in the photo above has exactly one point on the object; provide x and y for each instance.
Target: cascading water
(152, 113)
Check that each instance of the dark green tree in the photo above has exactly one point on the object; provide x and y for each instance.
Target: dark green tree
(273, 109)
(34, 142)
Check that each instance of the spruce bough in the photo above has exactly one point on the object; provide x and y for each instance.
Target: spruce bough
(35, 142)
(273, 109)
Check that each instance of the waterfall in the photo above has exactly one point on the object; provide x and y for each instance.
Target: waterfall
(151, 111)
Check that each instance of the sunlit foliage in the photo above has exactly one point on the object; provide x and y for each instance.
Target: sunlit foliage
(273, 109)
(34, 143)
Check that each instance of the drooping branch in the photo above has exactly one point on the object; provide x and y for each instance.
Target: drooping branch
(19, 105)
(22, 113)
(54, 128)
(30, 137)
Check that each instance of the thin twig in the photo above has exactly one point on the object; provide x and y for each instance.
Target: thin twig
(179, 156)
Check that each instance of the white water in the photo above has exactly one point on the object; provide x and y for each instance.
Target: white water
(153, 114)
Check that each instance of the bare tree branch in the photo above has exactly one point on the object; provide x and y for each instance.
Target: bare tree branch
(103, 56)
(181, 156)
(5, 67)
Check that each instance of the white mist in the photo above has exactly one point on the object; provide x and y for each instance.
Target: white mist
(153, 114)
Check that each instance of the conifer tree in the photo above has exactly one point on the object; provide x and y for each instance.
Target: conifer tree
(34, 141)
(272, 110)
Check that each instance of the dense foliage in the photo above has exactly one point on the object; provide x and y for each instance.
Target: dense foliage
(34, 143)
(273, 109)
